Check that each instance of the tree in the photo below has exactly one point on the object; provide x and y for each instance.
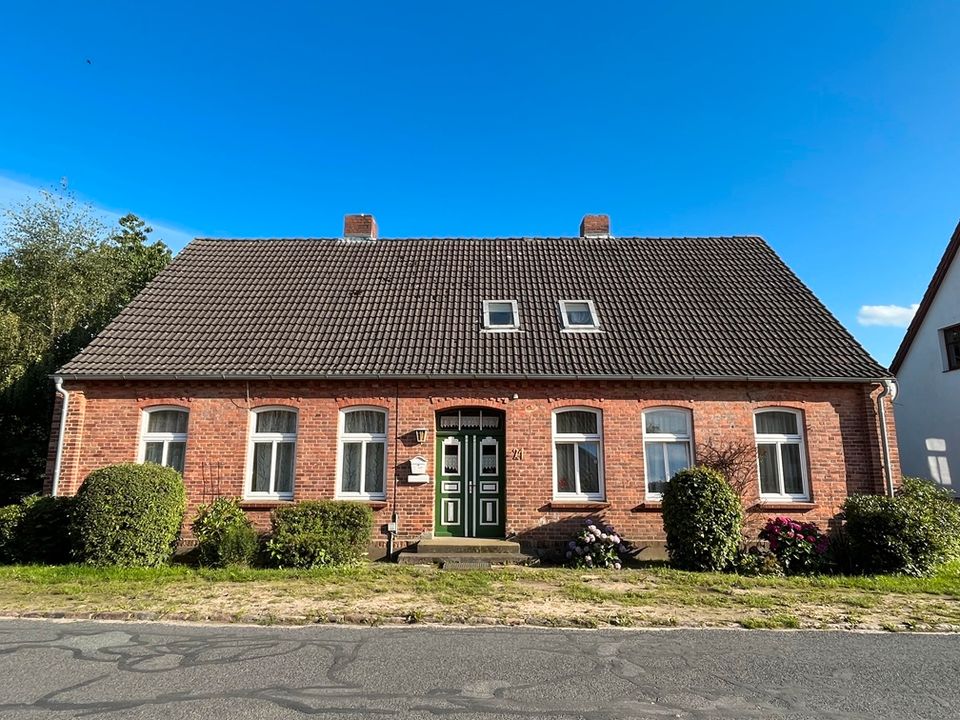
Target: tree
(63, 277)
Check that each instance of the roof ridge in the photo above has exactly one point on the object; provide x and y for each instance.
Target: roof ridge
(514, 238)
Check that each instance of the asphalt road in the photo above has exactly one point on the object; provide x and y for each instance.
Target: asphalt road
(51, 669)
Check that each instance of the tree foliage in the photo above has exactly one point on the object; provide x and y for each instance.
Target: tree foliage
(63, 276)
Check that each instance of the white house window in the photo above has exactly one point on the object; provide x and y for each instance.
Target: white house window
(667, 447)
(273, 449)
(579, 315)
(363, 454)
(577, 454)
(500, 315)
(781, 459)
(951, 343)
(164, 439)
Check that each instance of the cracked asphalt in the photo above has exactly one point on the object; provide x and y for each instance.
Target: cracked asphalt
(57, 669)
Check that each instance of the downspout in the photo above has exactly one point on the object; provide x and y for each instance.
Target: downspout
(889, 389)
(62, 391)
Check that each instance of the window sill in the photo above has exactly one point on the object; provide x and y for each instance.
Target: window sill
(648, 506)
(796, 505)
(577, 505)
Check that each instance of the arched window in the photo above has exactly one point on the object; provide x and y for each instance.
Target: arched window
(273, 450)
(577, 454)
(781, 459)
(363, 454)
(164, 437)
(667, 447)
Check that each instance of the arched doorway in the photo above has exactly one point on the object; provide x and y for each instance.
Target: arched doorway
(470, 473)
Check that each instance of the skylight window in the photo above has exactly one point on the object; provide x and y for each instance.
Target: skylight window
(579, 315)
(500, 315)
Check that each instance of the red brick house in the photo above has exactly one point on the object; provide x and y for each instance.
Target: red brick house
(540, 380)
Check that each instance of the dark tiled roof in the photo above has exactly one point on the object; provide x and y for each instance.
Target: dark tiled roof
(668, 307)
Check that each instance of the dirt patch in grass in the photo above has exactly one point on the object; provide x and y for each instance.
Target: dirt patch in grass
(380, 593)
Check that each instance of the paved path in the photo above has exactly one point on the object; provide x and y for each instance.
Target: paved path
(52, 669)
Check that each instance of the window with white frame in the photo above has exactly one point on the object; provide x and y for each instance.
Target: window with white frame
(781, 460)
(579, 315)
(363, 453)
(164, 437)
(667, 447)
(500, 315)
(273, 450)
(951, 345)
(577, 454)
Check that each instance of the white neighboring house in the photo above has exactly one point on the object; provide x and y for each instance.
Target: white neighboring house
(927, 367)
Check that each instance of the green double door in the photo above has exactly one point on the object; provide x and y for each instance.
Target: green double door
(470, 454)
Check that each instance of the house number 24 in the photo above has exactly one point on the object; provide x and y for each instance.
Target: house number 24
(518, 453)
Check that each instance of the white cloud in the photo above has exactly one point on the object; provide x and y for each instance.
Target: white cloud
(16, 191)
(887, 315)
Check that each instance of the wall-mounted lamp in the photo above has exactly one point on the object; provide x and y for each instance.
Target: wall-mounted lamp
(420, 434)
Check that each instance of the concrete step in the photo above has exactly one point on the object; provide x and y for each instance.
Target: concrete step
(462, 560)
(468, 545)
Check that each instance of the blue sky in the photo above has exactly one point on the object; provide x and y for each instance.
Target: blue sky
(828, 128)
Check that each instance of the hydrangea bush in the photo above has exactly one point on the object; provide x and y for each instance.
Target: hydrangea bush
(799, 546)
(597, 547)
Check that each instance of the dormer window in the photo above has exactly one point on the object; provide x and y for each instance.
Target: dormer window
(500, 315)
(579, 315)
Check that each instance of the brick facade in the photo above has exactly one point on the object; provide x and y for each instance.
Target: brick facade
(840, 427)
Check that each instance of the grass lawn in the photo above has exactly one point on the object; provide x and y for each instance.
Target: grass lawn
(381, 593)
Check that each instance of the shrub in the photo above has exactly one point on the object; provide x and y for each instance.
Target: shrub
(755, 562)
(596, 548)
(703, 518)
(44, 531)
(319, 532)
(911, 533)
(128, 515)
(225, 535)
(10, 517)
(799, 546)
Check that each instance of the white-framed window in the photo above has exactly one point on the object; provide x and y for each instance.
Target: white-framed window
(577, 454)
(273, 452)
(500, 315)
(163, 439)
(579, 315)
(951, 347)
(362, 455)
(781, 458)
(667, 447)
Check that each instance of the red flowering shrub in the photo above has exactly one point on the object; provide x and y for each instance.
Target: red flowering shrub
(799, 546)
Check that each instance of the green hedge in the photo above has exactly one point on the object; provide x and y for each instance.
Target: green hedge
(36, 531)
(316, 532)
(225, 535)
(129, 515)
(911, 533)
(703, 520)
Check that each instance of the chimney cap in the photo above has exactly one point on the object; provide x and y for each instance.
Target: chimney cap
(359, 226)
(593, 226)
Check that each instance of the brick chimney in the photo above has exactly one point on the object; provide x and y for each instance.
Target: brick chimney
(359, 227)
(595, 226)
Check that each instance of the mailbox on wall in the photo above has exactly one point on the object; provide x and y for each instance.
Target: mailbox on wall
(418, 470)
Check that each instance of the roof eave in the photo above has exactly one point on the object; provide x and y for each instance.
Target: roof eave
(468, 376)
(938, 275)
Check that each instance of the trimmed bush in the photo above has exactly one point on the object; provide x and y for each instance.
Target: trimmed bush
(912, 533)
(128, 515)
(703, 520)
(319, 532)
(225, 535)
(10, 517)
(44, 531)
